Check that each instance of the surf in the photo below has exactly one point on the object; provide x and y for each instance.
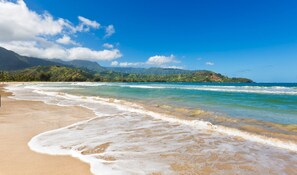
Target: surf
(130, 133)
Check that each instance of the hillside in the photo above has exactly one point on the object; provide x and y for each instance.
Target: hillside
(148, 71)
(60, 73)
(15, 67)
(11, 61)
(47, 73)
(82, 64)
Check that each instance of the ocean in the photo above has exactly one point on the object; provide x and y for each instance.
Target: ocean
(174, 128)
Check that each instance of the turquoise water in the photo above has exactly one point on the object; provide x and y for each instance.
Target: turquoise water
(271, 102)
(149, 135)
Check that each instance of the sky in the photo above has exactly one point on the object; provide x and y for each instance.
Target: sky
(256, 39)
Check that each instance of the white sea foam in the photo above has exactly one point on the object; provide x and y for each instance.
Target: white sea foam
(217, 88)
(139, 136)
(90, 84)
(247, 89)
(134, 108)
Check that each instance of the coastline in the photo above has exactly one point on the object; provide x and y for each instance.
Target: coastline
(20, 121)
(198, 145)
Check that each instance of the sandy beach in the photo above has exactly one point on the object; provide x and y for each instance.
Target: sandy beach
(124, 138)
(19, 122)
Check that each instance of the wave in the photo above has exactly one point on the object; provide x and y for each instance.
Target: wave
(135, 108)
(281, 90)
(123, 124)
(247, 89)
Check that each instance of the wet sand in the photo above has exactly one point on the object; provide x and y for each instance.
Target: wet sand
(19, 122)
(202, 152)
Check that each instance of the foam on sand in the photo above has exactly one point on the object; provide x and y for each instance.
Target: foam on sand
(125, 138)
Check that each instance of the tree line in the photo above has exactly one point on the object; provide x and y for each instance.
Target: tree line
(61, 73)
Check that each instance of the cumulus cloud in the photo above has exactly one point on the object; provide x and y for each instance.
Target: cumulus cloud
(161, 60)
(66, 40)
(55, 51)
(32, 34)
(114, 63)
(86, 53)
(157, 61)
(174, 67)
(209, 63)
(108, 46)
(126, 64)
(86, 24)
(17, 22)
(109, 30)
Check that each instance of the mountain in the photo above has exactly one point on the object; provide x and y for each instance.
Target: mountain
(22, 68)
(47, 73)
(62, 73)
(82, 64)
(147, 71)
(12, 61)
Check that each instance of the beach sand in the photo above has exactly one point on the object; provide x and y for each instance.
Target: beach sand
(19, 122)
(200, 153)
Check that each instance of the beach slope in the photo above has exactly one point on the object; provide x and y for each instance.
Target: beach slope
(19, 122)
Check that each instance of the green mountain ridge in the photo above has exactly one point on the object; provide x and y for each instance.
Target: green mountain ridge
(148, 71)
(10, 61)
(68, 74)
(15, 67)
(82, 64)
(47, 73)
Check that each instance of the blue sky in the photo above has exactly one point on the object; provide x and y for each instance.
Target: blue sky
(247, 38)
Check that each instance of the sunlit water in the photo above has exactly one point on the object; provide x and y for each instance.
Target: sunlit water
(145, 128)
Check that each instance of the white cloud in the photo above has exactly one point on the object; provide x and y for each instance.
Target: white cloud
(108, 46)
(32, 34)
(209, 63)
(109, 30)
(157, 61)
(17, 22)
(86, 24)
(174, 67)
(160, 60)
(55, 51)
(86, 53)
(114, 63)
(66, 40)
(126, 64)
(30, 48)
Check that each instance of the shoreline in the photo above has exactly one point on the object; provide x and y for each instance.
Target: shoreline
(69, 111)
(20, 121)
(246, 132)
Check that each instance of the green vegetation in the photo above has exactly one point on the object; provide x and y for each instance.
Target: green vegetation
(15, 67)
(11, 61)
(47, 73)
(81, 64)
(148, 71)
(61, 73)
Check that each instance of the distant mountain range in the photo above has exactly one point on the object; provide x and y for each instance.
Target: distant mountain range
(152, 70)
(20, 68)
(11, 61)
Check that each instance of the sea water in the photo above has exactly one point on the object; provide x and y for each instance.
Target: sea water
(174, 128)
